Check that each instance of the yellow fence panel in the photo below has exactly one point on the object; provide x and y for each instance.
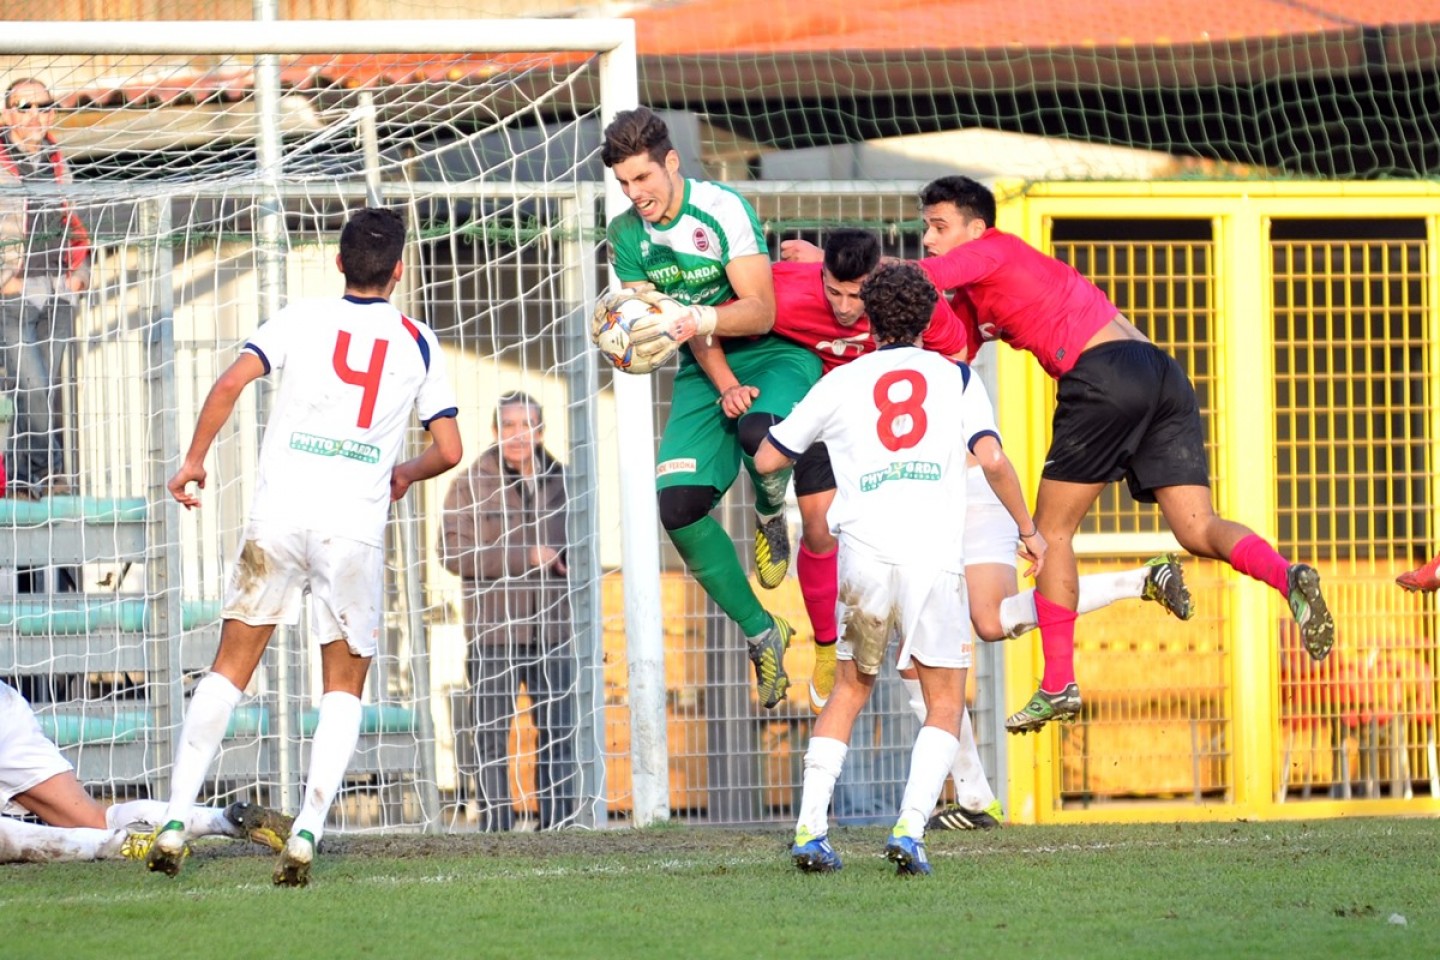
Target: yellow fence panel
(1304, 315)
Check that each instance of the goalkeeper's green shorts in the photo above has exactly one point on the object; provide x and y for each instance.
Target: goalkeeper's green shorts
(700, 446)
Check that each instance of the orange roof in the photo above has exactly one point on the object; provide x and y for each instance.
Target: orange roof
(723, 49)
(753, 26)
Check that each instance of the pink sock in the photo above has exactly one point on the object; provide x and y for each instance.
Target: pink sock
(819, 588)
(1057, 640)
(1256, 558)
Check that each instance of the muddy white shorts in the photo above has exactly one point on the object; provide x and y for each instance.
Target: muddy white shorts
(27, 757)
(927, 606)
(990, 532)
(278, 565)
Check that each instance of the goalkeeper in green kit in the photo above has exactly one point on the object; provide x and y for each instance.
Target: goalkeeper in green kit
(700, 244)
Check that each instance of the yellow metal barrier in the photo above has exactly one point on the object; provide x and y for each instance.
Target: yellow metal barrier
(1306, 316)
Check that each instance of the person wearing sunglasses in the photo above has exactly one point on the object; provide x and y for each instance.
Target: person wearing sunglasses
(44, 268)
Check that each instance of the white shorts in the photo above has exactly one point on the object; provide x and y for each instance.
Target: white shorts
(929, 608)
(278, 565)
(990, 532)
(27, 757)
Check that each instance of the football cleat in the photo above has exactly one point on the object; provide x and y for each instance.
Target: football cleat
(168, 849)
(1308, 607)
(1045, 707)
(814, 854)
(136, 845)
(293, 868)
(822, 679)
(908, 855)
(1165, 584)
(772, 550)
(1424, 579)
(261, 825)
(956, 817)
(768, 655)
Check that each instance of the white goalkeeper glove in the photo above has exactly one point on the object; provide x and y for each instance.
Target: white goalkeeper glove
(685, 322)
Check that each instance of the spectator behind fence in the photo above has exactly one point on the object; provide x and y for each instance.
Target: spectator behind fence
(503, 534)
(44, 267)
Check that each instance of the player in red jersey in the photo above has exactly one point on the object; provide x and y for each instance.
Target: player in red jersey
(1124, 408)
(818, 305)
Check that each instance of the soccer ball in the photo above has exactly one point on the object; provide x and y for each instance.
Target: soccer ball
(615, 318)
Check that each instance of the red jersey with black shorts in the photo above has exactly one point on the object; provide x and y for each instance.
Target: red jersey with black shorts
(1124, 408)
(803, 315)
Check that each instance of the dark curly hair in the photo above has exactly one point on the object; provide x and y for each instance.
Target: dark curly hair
(899, 299)
(973, 199)
(634, 132)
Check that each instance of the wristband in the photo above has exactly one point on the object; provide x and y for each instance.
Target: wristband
(1027, 536)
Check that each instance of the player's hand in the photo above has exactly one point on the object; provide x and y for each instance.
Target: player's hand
(399, 483)
(186, 475)
(800, 251)
(736, 400)
(1033, 548)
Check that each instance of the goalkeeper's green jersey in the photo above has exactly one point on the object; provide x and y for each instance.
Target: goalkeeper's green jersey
(686, 257)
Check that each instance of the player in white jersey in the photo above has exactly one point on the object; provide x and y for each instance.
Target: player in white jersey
(356, 371)
(36, 779)
(898, 425)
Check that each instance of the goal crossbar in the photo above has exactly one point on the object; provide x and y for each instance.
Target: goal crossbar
(242, 37)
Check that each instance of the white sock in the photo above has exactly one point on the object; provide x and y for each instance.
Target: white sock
(972, 789)
(336, 734)
(22, 842)
(930, 764)
(199, 822)
(205, 721)
(1097, 590)
(823, 761)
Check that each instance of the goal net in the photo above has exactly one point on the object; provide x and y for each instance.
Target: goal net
(210, 167)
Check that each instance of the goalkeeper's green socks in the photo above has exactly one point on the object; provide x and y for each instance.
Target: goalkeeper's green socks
(710, 557)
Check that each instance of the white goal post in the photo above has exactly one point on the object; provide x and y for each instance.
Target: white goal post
(204, 218)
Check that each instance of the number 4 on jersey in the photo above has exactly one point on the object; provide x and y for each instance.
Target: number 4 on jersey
(368, 379)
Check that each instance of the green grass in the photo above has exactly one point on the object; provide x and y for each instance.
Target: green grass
(1321, 889)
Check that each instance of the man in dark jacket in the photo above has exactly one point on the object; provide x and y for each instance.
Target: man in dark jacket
(503, 534)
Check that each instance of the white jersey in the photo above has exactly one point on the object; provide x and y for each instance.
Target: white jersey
(897, 423)
(355, 368)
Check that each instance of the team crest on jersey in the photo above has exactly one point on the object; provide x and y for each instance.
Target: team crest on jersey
(842, 346)
(701, 239)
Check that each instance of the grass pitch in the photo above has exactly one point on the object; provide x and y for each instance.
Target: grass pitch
(1340, 888)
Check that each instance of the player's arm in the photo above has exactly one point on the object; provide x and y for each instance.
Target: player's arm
(768, 459)
(735, 397)
(219, 404)
(787, 440)
(443, 453)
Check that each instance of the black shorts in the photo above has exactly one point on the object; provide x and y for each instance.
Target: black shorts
(812, 471)
(1127, 410)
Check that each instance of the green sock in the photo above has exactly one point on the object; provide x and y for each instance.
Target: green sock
(710, 557)
(769, 488)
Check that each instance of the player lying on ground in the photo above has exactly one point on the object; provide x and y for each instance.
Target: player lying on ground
(701, 244)
(898, 425)
(357, 374)
(35, 778)
(1124, 408)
